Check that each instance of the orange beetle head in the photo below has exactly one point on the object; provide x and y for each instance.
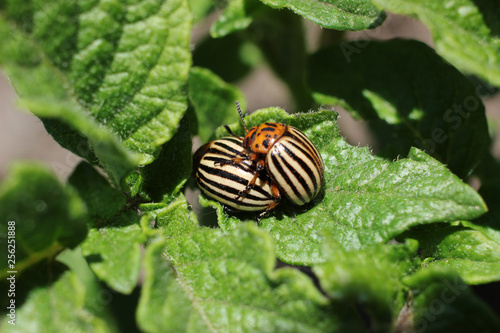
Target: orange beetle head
(260, 139)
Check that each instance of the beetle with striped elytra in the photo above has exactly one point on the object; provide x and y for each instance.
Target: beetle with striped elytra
(224, 181)
(286, 154)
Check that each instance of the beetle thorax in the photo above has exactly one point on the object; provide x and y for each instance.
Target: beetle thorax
(260, 139)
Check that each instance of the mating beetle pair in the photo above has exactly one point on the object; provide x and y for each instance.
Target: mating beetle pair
(250, 173)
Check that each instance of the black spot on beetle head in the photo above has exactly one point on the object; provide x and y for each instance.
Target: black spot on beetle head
(253, 135)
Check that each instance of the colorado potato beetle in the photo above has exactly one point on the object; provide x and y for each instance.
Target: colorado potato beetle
(286, 155)
(224, 181)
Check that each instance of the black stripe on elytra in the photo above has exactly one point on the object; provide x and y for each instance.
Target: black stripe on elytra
(233, 190)
(221, 160)
(304, 166)
(296, 173)
(299, 136)
(296, 135)
(225, 197)
(223, 174)
(307, 142)
(282, 172)
(217, 159)
(225, 146)
(216, 151)
(260, 190)
(234, 178)
(234, 140)
(271, 124)
(315, 153)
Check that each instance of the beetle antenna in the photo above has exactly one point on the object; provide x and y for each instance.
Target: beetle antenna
(231, 132)
(241, 115)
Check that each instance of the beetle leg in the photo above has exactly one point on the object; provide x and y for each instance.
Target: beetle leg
(233, 161)
(249, 186)
(260, 166)
(277, 198)
(229, 210)
(276, 193)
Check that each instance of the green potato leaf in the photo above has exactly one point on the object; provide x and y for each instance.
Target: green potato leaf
(385, 283)
(468, 252)
(421, 101)
(237, 15)
(109, 77)
(51, 298)
(442, 302)
(103, 202)
(472, 249)
(200, 9)
(489, 223)
(465, 32)
(331, 14)
(369, 278)
(233, 64)
(161, 180)
(213, 100)
(114, 251)
(202, 279)
(42, 216)
(335, 14)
